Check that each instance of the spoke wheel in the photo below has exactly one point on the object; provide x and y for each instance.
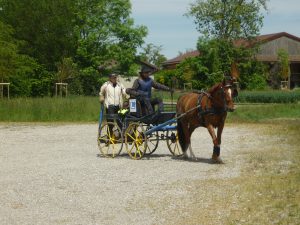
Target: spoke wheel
(152, 142)
(110, 140)
(135, 141)
(173, 143)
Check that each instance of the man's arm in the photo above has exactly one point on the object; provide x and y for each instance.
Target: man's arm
(102, 93)
(159, 86)
(123, 91)
(133, 91)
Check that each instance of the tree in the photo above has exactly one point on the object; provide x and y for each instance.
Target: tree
(91, 32)
(8, 52)
(106, 32)
(284, 67)
(25, 74)
(228, 19)
(222, 23)
(152, 54)
(45, 27)
(66, 69)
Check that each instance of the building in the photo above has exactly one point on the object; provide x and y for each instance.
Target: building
(268, 48)
(172, 63)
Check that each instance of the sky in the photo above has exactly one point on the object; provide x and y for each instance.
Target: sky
(169, 28)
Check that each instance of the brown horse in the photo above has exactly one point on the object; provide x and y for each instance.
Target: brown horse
(205, 109)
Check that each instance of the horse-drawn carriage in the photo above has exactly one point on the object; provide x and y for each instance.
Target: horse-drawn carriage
(139, 133)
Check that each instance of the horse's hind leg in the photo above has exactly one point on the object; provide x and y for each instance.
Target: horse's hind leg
(183, 135)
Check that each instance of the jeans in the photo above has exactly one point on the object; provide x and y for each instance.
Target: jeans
(150, 104)
(112, 112)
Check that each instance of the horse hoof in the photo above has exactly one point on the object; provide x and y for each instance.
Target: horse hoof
(183, 156)
(217, 159)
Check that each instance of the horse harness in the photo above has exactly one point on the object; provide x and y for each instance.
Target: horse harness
(213, 110)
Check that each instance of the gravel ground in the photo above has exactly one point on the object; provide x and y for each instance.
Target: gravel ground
(53, 174)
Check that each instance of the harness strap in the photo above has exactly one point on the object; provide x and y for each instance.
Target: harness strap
(206, 110)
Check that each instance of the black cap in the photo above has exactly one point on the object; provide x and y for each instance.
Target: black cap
(112, 75)
(146, 69)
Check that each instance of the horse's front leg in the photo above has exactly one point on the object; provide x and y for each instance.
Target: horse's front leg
(216, 142)
(217, 149)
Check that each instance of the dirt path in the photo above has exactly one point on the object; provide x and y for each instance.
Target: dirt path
(52, 174)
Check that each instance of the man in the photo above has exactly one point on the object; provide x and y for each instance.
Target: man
(142, 89)
(111, 94)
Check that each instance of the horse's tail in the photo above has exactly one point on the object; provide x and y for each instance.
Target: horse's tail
(181, 136)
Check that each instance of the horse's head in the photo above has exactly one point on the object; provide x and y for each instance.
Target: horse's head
(223, 95)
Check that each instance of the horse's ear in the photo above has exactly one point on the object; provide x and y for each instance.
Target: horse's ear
(227, 81)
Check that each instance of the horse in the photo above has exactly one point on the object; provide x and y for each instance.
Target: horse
(205, 109)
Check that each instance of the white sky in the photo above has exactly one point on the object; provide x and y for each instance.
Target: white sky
(168, 27)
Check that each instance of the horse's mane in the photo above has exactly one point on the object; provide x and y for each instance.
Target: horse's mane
(214, 88)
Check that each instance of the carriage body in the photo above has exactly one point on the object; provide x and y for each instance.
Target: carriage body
(140, 134)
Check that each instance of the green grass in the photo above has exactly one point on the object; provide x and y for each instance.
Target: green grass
(269, 96)
(264, 112)
(71, 109)
(86, 109)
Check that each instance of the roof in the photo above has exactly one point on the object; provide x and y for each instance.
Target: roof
(238, 43)
(264, 38)
(149, 65)
(181, 57)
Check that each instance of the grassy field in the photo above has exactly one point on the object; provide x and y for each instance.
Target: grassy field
(86, 109)
(266, 190)
(71, 109)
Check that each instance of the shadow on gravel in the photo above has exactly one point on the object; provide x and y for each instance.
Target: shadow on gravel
(196, 160)
(156, 156)
(146, 157)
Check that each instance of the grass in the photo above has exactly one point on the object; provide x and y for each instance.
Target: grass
(86, 109)
(264, 112)
(71, 109)
(271, 96)
(265, 192)
(271, 179)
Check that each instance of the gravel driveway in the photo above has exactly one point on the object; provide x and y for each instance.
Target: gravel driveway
(53, 174)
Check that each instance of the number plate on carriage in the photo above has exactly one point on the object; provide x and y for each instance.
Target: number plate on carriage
(132, 105)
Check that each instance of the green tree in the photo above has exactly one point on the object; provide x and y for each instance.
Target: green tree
(22, 71)
(66, 69)
(107, 33)
(90, 32)
(45, 27)
(228, 19)
(284, 67)
(222, 23)
(152, 54)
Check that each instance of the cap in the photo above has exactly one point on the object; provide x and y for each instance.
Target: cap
(146, 69)
(112, 75)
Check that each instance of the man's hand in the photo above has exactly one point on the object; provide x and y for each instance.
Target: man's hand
(101, 99)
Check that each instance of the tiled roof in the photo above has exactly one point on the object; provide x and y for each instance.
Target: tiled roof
(264, 38)
(182, 57)
(238, 43)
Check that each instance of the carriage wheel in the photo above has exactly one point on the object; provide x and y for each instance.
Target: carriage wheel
(152, 142)
(135, 141)
(173, 143)
(110, 141)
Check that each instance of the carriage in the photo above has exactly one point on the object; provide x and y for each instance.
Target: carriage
(139, 133)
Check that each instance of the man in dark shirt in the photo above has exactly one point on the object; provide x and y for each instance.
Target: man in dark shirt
(142, 90)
